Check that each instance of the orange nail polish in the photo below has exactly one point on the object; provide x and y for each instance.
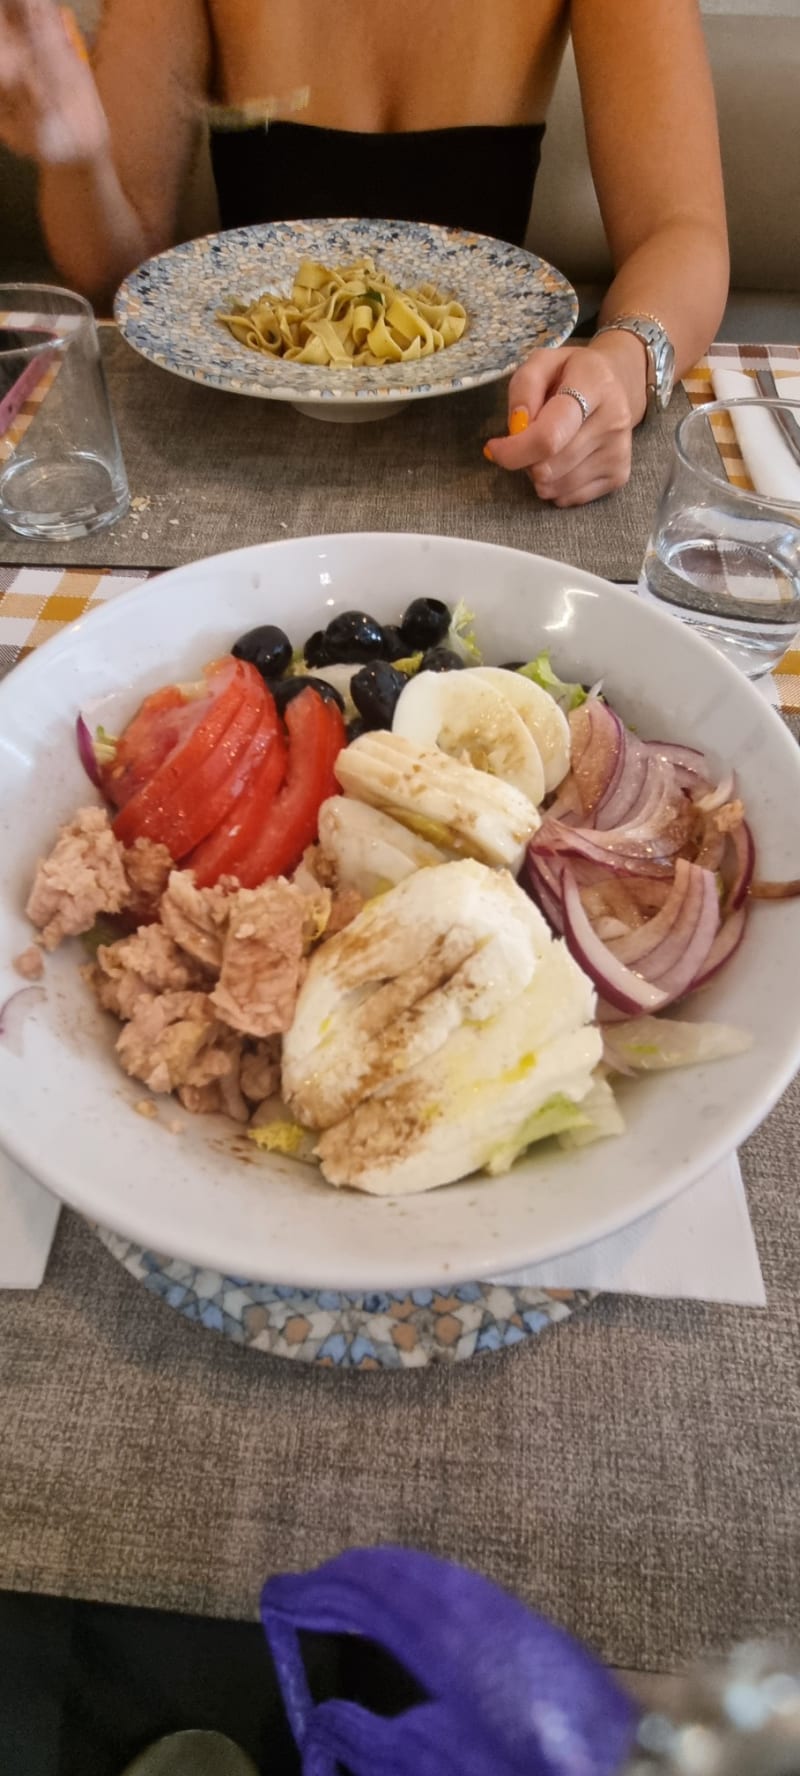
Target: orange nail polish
(487, 451)
(519, 421)
(73, 31)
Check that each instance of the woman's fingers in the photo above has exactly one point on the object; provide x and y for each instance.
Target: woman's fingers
(607, 462)
(571, 444)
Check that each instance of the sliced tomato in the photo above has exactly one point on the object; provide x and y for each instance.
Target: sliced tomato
(316, 737)
(205, 797)
(218, 854)
(144, 744)
(234, 688)
(169, 726)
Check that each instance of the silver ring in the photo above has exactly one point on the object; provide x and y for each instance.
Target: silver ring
(581, 400)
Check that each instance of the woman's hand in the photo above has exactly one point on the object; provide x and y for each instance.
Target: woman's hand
(575, 451)
(50, 108)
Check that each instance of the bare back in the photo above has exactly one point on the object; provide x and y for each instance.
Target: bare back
(392, 67)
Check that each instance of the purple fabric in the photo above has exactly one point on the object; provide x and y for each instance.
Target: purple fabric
(507, 1694)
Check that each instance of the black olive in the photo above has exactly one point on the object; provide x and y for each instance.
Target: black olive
(426, 621)
(512, 665)
(266, 648)
(375, 690)
(315, 652)
(355, 728)
(284, 690)
(395, 648)
(354, 636)
(441, 660)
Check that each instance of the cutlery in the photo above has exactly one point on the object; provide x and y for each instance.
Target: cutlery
(768, 387)
(256, 111)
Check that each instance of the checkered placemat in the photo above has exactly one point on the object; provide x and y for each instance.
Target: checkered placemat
(782, 360)
(35, 602)
(781, 687)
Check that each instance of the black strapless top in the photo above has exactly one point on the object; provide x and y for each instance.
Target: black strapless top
(480, 177)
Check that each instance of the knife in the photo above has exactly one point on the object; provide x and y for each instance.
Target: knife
(768, 387)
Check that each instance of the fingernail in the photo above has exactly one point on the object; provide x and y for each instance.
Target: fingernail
(487, 451)
(519, 421)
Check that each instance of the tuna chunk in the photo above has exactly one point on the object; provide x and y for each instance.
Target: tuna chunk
(172, 1041)
(263, 960)
(260, 1071)
(83, 876)
(148, 963)
(316, 877)
(197, 918)
(147, 867)
(30, 964)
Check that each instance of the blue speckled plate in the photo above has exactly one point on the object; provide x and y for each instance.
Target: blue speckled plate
(383, 1330)
(514, 301)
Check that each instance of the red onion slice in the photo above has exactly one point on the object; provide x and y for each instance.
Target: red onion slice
(675, 966)
(624, 791)
(644, 944)
(598, 740)
(621, 852)
(774, 890)
(740, 875)
(715, 798)
(545, 888)
(623, 989)
(86, 751)
(687, 758)
(725, 945)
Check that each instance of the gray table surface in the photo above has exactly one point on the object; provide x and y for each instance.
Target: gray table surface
(210, 471)
(633, 1472)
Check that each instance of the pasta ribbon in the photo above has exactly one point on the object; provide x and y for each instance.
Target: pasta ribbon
(351, 314)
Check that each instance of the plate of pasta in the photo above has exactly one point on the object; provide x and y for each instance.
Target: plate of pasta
(348, 319)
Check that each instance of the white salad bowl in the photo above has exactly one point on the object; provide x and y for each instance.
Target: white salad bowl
(205, 1194)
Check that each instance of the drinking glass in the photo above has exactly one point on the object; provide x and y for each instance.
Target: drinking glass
(723, 558)
(61, 468)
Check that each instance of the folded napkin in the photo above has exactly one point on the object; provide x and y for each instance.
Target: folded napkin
(28, 1216)
(698, 1247)
(767, 456)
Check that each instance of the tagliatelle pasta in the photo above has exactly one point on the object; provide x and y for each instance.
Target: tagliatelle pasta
(347, 315)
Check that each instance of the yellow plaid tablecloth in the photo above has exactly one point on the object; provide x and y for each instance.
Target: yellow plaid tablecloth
(36, 602)
(781, 687)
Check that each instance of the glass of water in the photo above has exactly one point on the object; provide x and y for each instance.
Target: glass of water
(721, 557)
(61, 468)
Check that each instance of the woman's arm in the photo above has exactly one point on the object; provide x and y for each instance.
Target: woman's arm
(112, 143)
(651, 131)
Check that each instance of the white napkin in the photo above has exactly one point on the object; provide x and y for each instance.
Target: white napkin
(28, 1216)
(699, 1247)
(770, 464)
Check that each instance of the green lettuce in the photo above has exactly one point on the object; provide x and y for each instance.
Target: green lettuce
(540, 671)
(557, 1115)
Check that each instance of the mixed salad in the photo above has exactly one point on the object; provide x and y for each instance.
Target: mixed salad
(393, 910)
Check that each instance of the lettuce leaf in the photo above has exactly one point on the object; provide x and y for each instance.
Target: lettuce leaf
(461, 635)
(557, 1115)
(540, 671)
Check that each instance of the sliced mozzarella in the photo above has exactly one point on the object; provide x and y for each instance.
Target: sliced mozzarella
(468, 718)
(447, 946)
(467, 1102)
(541, 714)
